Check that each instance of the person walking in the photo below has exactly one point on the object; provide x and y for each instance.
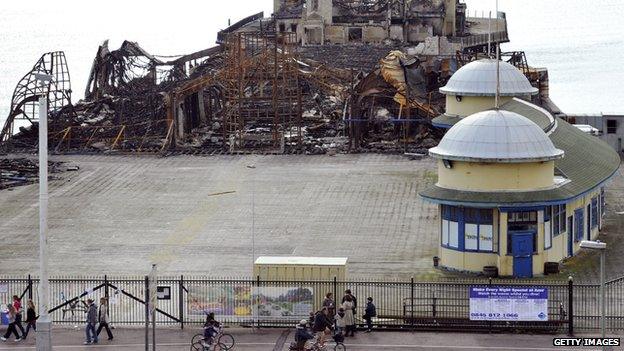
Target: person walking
(11, 329)
(349, 318)
(17, 303)
(103, 318)
(369, 313)
(92, 318)
(329, 303)
(31, 318)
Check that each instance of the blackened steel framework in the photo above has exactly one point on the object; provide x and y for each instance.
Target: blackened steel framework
(24, 103)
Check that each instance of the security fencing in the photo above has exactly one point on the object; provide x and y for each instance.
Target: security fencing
(401, 305)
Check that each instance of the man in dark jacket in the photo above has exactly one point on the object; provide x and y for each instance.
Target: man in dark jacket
(369, 313)
(92, 318)
(322, 324)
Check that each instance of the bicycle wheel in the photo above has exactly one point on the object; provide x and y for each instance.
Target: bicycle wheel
(220, 347)
(227, 340)
(197, 346)
(340, 347)
(196, 338)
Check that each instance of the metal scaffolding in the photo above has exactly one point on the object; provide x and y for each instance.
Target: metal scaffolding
(263, 105)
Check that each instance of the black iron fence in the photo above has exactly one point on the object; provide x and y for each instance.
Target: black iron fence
(409, 305)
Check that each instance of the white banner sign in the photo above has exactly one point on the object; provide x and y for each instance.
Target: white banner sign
(504, 303)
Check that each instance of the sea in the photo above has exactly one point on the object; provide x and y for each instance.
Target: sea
(579, 41)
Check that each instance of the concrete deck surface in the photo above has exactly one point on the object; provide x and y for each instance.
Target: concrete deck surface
(192, 215)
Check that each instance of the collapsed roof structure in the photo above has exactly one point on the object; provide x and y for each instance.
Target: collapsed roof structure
(317, 76)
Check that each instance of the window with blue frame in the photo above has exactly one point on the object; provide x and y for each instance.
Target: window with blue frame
(450, 227)
(558, 219)
(547, 228)
(478, 234)
(468, 229)
(579, 224)
(594, 212)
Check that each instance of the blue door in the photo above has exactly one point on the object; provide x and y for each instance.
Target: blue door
(522, 250)
(570, 236)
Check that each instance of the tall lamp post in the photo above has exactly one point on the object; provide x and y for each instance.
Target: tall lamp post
(602, 247)
(44, 323)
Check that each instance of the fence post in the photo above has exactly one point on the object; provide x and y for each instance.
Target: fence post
(147, 297)
(490, 322)
(181, 301)
(256, 303)
(412, 302)
(570, 306)
(30, 284)
(106, 295)
(335, 294)
(106, 287)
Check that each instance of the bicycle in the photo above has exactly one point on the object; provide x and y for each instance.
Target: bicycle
(224, 339)
(316, 346)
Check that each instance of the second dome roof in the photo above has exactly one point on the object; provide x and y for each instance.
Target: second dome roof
(478, 78)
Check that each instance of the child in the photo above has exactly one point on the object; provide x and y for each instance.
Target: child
(370, 312)
(340, 321)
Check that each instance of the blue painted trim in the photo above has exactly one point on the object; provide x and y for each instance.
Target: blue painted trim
(442, 125)
(521, 209)
(491, 204)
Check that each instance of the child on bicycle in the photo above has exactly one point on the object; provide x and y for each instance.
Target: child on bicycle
(211, 328)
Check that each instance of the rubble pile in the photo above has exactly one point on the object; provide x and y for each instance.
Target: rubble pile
(21, 171)
(350, 98)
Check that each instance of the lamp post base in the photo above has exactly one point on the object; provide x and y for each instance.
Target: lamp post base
(44, 335)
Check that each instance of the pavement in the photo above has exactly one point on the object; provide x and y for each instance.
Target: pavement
(279, 339)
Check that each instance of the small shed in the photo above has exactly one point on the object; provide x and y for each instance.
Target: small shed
(273, 268)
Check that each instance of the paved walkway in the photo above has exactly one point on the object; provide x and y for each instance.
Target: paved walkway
(279, 339)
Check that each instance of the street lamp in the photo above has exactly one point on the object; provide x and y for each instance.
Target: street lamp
(602, 247)
(44, 323)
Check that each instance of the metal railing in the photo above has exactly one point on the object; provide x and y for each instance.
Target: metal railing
(409, 305)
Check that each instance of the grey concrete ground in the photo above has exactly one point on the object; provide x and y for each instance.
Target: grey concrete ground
(193, 215)
(278, 340)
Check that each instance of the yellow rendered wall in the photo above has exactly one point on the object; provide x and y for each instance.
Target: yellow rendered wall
(471, 104)
(505, 263)
(466, 261)
(496, 176)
